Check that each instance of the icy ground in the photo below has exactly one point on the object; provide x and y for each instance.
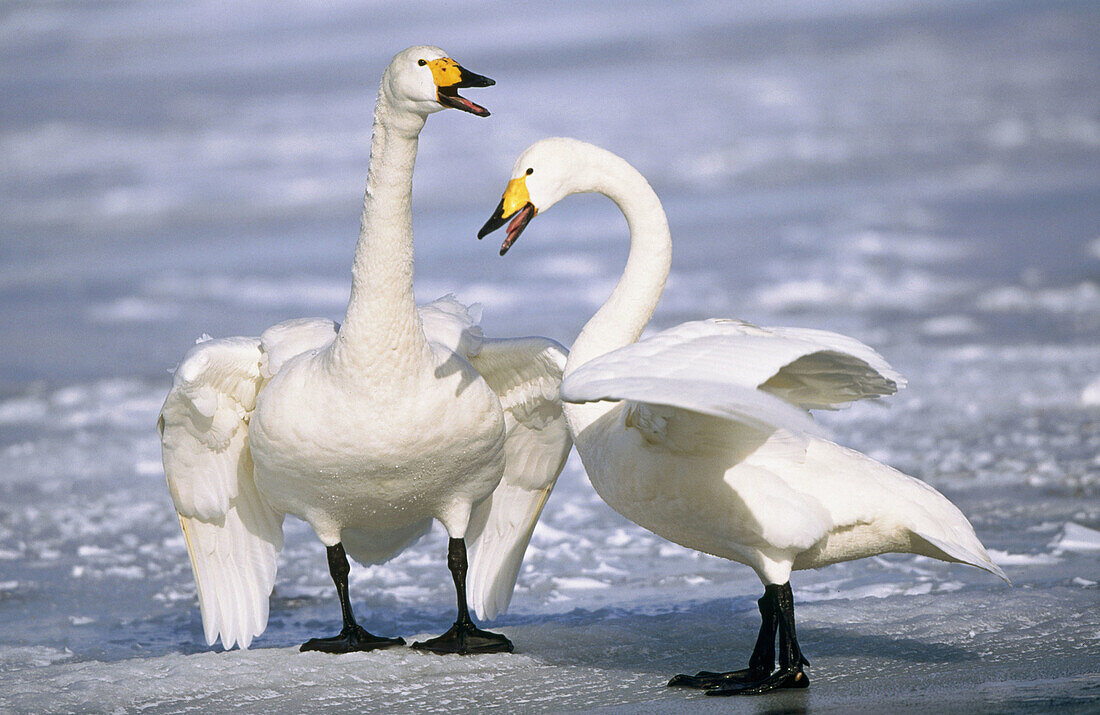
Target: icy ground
(923, 176)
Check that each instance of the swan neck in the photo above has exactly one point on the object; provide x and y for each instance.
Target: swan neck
(623, 317)
(381, 318)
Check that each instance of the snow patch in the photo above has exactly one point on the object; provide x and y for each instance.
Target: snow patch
(1076, 299)
(19, 657)
(1090, 396)
(1093, 249)
(1075, 537)
(1003, 558)
(133, 309)
(950, 326)
(580, 583)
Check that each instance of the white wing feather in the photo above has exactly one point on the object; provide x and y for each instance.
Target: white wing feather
(453, 325)
(233, 537)
(764, 377)
(526, 375)
(291, 338)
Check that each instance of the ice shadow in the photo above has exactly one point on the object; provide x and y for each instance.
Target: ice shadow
(716, 633)
(710, 634)
(696, 635)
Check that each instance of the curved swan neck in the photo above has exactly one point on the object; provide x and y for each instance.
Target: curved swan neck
(382, 319)
(626, 312)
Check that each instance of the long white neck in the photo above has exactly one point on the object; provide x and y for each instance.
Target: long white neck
(623, 317)
(626, 312)
(382, 324)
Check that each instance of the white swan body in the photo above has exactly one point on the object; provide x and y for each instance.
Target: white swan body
(708, 444)
(701, 434)
(370, 429)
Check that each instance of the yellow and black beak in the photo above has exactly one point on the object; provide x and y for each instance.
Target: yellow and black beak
(516, 201)
(450, 77)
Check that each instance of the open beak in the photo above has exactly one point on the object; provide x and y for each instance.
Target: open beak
(450, 77)
(516, 203)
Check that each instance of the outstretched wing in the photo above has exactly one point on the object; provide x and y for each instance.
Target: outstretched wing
(831, 372)
(233, 537)
(526, 375)
(763, 377)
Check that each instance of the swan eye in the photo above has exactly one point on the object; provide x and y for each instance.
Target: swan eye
(530, 171)
(421, 62)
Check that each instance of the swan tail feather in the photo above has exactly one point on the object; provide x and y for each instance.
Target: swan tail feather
(964, 554)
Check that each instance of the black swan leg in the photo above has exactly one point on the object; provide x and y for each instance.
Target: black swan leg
(463, 637)
(760, 663)
(352, 637)
(791, 660)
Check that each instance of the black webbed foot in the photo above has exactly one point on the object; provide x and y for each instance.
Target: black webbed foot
(779, 680)
(760, 664)
(791, 660)
(776, 616)
(350, 640)
(465, 638)
(352, 637)
(705, 679)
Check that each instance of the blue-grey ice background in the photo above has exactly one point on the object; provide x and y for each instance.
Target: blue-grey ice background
(924, 176)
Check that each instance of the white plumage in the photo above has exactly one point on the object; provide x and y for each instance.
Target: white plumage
(232, 535)
(701, 433)
(370, 429)
(526, 374)
(789, 498)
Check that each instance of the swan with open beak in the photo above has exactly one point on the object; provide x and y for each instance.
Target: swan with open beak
(449, 77)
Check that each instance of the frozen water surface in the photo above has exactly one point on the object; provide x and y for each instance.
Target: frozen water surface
(920, 175)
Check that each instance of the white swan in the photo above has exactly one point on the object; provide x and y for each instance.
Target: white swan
(701, 433)
(370, 429)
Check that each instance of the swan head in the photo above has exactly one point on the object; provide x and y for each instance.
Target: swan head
(548, 171)
(423, 80)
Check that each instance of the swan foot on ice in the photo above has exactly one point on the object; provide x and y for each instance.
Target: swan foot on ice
(466, 639)
(761, 662)
(350, 640)
(708, 680)
(779, 680)
(463, 638)
(776, 616)
(352, 637)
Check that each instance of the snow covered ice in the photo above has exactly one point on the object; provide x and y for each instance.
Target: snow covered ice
(921, 176)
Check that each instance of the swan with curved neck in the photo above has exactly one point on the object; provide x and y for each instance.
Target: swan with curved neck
(371, 429)
(701, 433)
